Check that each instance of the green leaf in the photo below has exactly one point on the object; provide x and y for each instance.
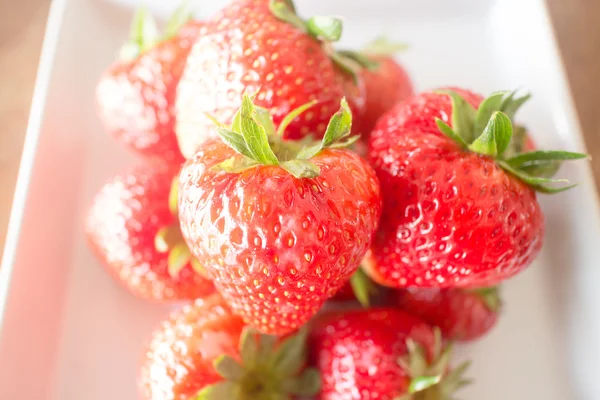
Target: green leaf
(178, 258)
(495, 137)
(198, 267)
(542, 164)
(340, 125)
(490, 296)
(181, 16)
(487, 107)
(537, 183)
(307, 384)
(285, 11)
(383, 46)
(266, 348)
(422, 383)
(512, 104)
(249, 347)
(455, 379)
(263, 117)
(301, 168)
(463, 116)
(290, 4)
(174, 196)
(518, 141)
(345, 142)
(552, 190)
(534, 157)
(363, 287)
(167, 238)
(236, 122)
(255, 136)
(144, 32)
(308, 152)
(228, 368)
(324, 28)
(236, 164)
(542, 169)
(450, 133)
(361, 59)
(290, 356)
(218, 391)
(441, 364)
(215, 121)
(417, 359)
(292, 116)
(346, 64)
(532, 180)
(235, 141)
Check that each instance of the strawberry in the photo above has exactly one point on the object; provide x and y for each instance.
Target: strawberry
(460, 208)
(460, 314)
(136, 235)
(381, 353)
(280, 227)
(136, 95)
(264, 44)
(203, 352)
(386, 82)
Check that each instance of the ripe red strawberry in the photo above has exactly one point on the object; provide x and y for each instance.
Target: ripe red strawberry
(127, 216)
(279, 228)
(460, 314)
(386, 82)
(383, 354)
(136, 95)
(459, 206)
(195, 355)
(264, 44)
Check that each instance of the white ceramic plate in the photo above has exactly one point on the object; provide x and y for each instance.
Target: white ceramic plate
(69, 333)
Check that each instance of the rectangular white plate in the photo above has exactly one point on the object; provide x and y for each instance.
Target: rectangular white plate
(69, 333)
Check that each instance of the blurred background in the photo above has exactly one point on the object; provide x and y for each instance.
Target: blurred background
(22, 25)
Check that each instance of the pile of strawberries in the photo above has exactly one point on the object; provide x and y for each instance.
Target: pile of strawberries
(332, 231)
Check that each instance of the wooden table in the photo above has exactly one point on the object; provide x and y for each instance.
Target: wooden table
(22, 27)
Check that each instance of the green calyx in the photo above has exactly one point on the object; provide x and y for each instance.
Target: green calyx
(490, 296)
(325, 29)
(252, 134)
(144, 33)
(489, 131)
(169, 239)
(266, 370)
(431, 380)
(363, 287)
(381, 46)
(322, 28)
